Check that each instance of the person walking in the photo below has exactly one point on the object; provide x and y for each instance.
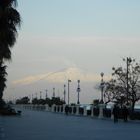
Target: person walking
(125, 113)
(115, 113)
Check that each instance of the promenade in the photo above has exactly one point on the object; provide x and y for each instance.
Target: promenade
(41, 125)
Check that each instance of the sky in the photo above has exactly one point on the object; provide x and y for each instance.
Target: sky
(71, 39)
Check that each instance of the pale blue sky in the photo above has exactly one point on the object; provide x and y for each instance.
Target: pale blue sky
(78, 39)
(81, 17)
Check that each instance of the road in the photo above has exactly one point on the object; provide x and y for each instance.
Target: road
(39, 125)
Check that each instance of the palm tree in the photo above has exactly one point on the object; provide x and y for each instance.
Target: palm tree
(2, 79)
(9, 21)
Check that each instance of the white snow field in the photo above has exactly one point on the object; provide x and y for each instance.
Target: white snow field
(39, 125)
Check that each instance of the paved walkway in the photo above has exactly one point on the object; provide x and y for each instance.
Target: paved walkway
(37, 125)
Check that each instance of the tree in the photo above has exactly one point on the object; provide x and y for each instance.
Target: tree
(125, 84)
(57, 101)
(96, 102)
(9, 21)
(24, 100)
(2, 79)
(50, 102)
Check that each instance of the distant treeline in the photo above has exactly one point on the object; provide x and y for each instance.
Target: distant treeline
(35, 101)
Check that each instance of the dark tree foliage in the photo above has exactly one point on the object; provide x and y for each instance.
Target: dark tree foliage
(124, 87)
(24, 100)
(57, 101)
(50, 102)
(9, 20)
(96, 102)
(34, 101)
(39, 101)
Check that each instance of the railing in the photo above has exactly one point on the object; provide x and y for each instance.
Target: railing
(94, 111)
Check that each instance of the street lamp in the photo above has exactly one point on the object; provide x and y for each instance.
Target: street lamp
(36, 95)
(32, 96)
(65, 93)
(129, 60)
(102, 87)
(53, 92)
(68, 90)
(46, 93)
(78, 91)
(40, 94)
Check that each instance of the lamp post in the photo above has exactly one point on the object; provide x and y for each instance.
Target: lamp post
(40, 94)
(68, 90)
(46, 93)
(78, 91)
(53, 92)
(102, 87)
(29, 97)
(32, 97)
(128, 61)
(36, 95)
(64, 93)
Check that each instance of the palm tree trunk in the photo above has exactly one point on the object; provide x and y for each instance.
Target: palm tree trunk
(2, 79)
(1, 93)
